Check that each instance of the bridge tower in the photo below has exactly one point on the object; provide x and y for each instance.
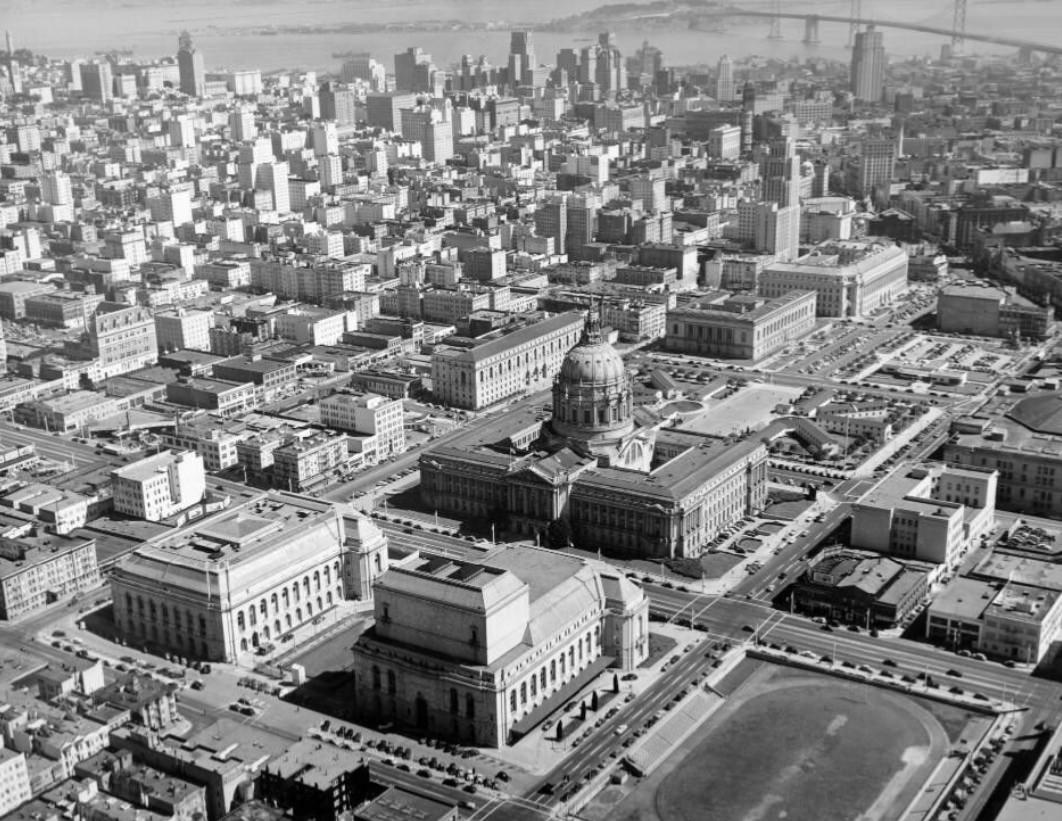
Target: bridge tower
(811, 30)
(958, 27)
(856, 14)
(775, 32)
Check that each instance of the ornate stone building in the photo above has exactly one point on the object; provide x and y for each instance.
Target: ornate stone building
(591, 473)
(484, 652)
(222, 586)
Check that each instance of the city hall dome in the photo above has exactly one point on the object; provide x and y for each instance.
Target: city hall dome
(593, 361)
(592, 396)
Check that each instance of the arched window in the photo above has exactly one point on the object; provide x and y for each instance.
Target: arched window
(391, 682)
(512, 701)
(375, 677)
(552, 671)
(470, 706)
(285, 598)
(240, 624)
(542, 680)
(275, 602)
(453, 700)
(316, 580)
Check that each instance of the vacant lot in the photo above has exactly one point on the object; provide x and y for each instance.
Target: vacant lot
(801, 748)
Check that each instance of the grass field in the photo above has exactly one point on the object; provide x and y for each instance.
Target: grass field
(800, 748)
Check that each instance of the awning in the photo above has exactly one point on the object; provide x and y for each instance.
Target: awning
(559, 698)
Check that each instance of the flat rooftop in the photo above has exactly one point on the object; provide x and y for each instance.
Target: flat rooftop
(999, 566)
(964, 599)
(400, 804)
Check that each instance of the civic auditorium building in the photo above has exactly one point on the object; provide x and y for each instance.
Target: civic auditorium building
(482, 652)
(594, 474)
(850, 278)
(222, 586)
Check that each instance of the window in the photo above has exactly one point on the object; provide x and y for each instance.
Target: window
(391, 682)
(375, 677)
(453, 701)
(470, 706)
(512, 701)
(552, 671)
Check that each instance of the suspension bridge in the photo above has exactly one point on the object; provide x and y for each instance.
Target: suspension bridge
(855, 19)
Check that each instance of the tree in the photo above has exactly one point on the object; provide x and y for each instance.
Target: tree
(559, 534)
(615, 683)
(582, 711)
(594, 702)
(560, 729)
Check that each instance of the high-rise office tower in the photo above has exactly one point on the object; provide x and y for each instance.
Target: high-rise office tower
(588, 58)
(414, 71)
(273, 177)
(521, 58)
(868, 65)
(190, 66)
(567, 62)
(55, 188)
(610, 71)
(330, 170)
(551, 220)
(748, 105)
(364, 67)
(182, 131)
(97, 83)
(780, 173)
(648, 60)
(325, 139)
(872, 167)
(241, 123)
(724, 79)
(776, 229)
(338, 103)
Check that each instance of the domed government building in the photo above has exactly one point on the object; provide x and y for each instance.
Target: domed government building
(585, 471)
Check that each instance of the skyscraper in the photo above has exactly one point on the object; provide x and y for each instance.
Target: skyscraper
(241, 122)
(521, 59)
(780, 173)
(610, 70)
(724, 80)
(871, 168)
(56, 188)
(97, 82)
(868, 65)
(414, 71)
(190, 66)
(338, 103)
(748, 104)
